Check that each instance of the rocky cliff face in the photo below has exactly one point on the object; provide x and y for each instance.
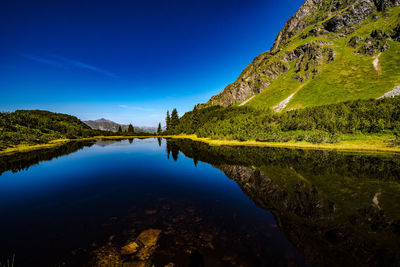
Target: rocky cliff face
(311, 39)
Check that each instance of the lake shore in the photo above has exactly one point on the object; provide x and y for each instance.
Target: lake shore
(351, 143)
(376, 144)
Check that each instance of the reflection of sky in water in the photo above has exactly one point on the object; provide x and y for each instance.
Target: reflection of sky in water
(143, 164)
(81, 190)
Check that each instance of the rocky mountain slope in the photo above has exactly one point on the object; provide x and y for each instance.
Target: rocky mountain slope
(107, 125)
(329, 51)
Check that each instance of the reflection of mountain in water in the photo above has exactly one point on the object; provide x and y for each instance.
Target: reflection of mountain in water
(106, 142)
(22, 161)
(338, 209)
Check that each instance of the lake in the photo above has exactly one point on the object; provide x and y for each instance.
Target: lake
(186, 203)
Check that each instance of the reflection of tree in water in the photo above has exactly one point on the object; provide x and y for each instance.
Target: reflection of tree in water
(312, 162)
(22, 161)
(130, 140)
(173, 148)
(159, 140)
(322, 200)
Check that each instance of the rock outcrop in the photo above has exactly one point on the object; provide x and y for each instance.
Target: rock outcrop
(393, 93)
(327, 20)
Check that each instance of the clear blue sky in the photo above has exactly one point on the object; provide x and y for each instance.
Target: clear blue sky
(129, 61)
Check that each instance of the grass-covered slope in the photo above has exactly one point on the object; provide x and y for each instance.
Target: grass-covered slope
(328, 52)
(351, 75)
(30, 127)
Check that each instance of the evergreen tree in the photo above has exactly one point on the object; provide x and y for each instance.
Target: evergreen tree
(159, 130)
(168, 121)
(174, 119)
(119, 129)
(130, 129)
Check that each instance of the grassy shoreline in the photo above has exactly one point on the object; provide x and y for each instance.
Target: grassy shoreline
(362, 144)
(58, 142)
(350, 143)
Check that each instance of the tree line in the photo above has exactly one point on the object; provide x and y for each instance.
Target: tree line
(171, 123)
(313, 124)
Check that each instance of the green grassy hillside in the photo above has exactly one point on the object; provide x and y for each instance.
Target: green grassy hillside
(351, 75)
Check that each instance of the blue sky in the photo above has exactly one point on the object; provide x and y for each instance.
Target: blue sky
(129, 61)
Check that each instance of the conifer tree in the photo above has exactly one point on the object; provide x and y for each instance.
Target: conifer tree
(174, 119)
(119, 129)
(168, 121)
(130, 129)
(159, 129)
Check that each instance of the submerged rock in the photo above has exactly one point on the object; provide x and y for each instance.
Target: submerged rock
(136, 264)
(147, 241)
(129, 248)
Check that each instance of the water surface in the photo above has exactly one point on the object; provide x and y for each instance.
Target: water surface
(78, 204)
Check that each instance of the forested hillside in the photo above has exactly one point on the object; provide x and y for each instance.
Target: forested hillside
(38, 127)
(326, 123)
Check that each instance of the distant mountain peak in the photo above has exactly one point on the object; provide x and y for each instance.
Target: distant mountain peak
(103, 120)
(108, 125)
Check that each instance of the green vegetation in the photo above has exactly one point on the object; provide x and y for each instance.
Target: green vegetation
(316, 192)
(33, 127)
(159, 129)
(167, 121)
(172, 122)
(8, 263)
(351, 75)
(130, 129)
(321, 124)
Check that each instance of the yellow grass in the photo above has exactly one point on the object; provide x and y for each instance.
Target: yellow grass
(353, 144)
(361, 145)
(58, 142)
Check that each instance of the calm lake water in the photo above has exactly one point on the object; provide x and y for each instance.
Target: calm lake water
(78, 204)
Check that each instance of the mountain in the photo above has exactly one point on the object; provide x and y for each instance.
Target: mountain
(107, 125)
(328, 52)
(103, 124)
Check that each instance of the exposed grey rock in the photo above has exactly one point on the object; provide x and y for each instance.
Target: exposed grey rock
(281, 106)
(382, 5)
(354, 41)
(379, 35)
(396, 33)
(332, 19)
(393, 93)
(298, 78)
(376, 42)
(353, 15)
(318, 30)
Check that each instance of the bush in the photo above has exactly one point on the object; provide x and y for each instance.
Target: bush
(396, 139)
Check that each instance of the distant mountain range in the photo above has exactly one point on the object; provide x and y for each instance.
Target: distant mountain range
(107, 125)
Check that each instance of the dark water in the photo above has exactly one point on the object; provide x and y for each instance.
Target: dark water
(78, 204)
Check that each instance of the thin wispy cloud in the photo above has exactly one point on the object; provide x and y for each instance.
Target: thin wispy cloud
(43, 60)
(82, 65)
(63, 62)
